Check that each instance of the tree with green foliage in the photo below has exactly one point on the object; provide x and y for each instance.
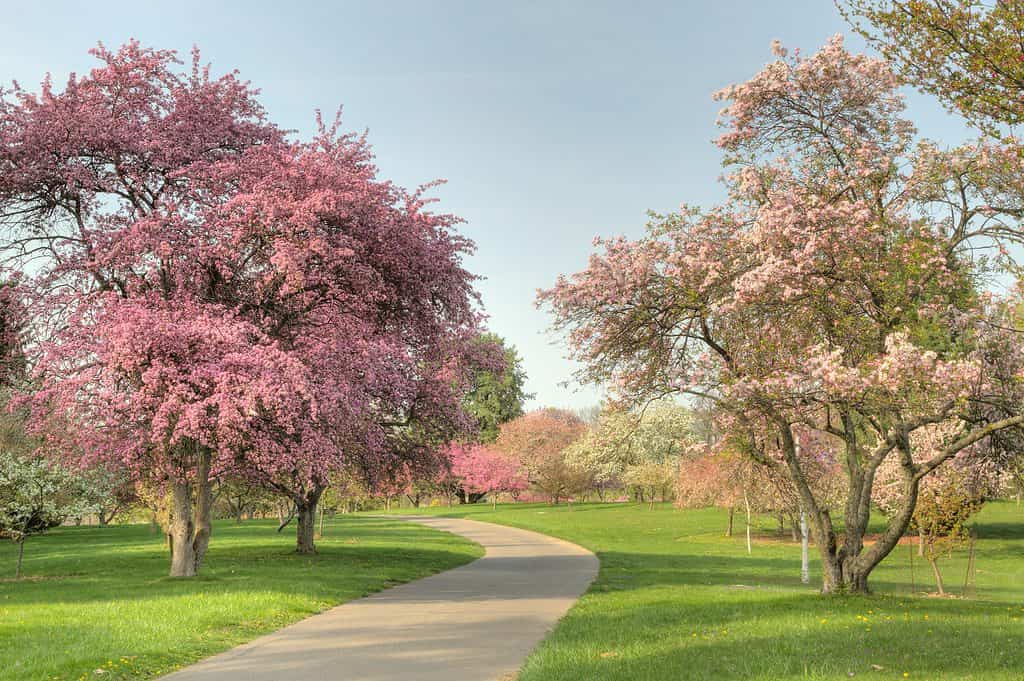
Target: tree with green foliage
(35, 494)
(497, 397)
(968, 53)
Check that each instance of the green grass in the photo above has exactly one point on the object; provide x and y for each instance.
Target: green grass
(99, 598)
(676, 601)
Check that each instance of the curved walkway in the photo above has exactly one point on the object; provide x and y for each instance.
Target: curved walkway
(477, 622)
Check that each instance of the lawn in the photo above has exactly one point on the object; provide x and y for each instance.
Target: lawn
(677, 601)
(99, 599)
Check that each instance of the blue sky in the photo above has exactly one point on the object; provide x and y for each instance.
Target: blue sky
(553, 122)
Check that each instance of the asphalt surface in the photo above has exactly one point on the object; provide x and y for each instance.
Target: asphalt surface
(477, 622)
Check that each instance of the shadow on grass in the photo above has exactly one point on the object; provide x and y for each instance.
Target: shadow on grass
(79, 565)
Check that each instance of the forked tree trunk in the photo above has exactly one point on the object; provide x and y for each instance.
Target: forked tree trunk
(845, 568)
(191, 510)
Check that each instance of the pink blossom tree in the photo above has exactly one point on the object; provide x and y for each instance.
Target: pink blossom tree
(834, 291)
(538, 442)
(213, 298)
(485, 471)
(947, 498)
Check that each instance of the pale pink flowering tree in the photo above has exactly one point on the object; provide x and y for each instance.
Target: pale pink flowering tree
(211, 297)
(947, 498)
(832, 292)
(484, 471)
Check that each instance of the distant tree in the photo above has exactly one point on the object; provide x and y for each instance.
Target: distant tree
(968, 53)
(34, 496)
(107, 491)
(35, 493)
(620, 440)
(537, 441)
(481, 470)
(497, 396)
(347, 493)
(655, 478)
(237, 497)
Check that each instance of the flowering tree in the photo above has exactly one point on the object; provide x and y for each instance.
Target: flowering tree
(484, 471)
(946, 499)
(537, 442)
(833, 292)
(35, 495)
(968, 53)
(214, 298)
(106, 491)
(621, 441)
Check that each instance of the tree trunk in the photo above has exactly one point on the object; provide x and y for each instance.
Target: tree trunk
(306, 512)
(283, 521)
(21, 557)
(746, 502)
(322, 509)
(304, 535)
(805, 567)
(845, 569)
(203, 522)
(732, 514)
(191, 519)
(938, 576)
(183, 560)
(782, 524)
(920, 542)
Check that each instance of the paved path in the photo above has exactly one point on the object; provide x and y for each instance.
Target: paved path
(477, 622)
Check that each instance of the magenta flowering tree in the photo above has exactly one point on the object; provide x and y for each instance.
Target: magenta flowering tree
(485, 471)
(833, 292)
(211, 297)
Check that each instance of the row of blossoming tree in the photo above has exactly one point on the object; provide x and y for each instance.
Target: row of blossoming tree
(207, 297)
(836, 299)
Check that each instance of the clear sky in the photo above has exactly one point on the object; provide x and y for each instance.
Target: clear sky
(553, 121)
